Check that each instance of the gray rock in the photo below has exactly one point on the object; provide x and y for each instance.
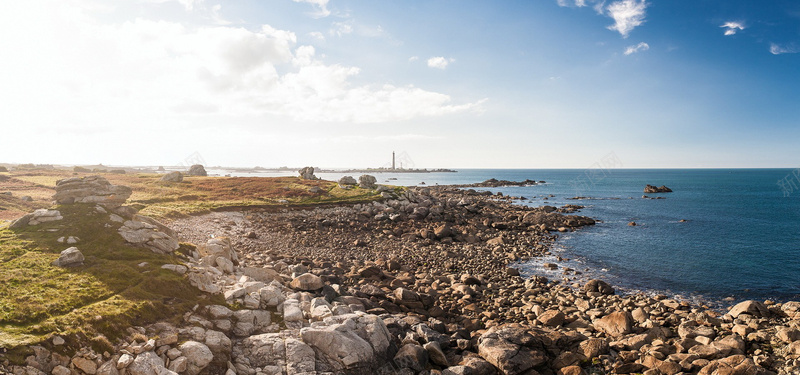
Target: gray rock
(71, 257)
(307, 173)
(91, 189)
(367, 182)
(147, 363)
(510, 349)
(412, 356)
(197, 170)
(172, 177)
(347, 182)
(198, 356)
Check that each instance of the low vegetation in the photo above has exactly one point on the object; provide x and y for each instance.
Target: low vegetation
(118, 286)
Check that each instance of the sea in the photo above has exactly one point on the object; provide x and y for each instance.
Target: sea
(721, 236)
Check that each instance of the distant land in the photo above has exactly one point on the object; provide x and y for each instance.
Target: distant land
(257, 169)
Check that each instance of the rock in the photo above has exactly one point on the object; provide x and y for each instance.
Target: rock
(593, 347)
(108, 368)
(71, 257)
(299, 357)
(61, 370)
(37, 217)
(307, 173)
(172, 177)
(198, 356)
(197, 170)
(367, 182)
(308, 282)
(147, 363)
(598, 286)
(352, 341)
(435, 353)
(91, 189)
(754, 308)
(86, 365)
(124, 361)
(615, 324)
(551, 318)
(347, 182)
(571, 370)
(143, 231)
(649, 189)
(443, 231)
(411, 356)
(511, 349)
(219, 247)
(263, 274)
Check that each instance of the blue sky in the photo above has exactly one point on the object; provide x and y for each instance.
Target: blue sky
(462, 84)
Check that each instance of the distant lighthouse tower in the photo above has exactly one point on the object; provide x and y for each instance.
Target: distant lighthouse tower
(393, 160)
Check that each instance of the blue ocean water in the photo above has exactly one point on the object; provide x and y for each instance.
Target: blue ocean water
(741, 238)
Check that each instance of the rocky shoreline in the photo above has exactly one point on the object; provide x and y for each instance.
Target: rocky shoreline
(419, 284)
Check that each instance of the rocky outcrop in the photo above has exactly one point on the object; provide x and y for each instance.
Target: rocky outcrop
(146, 232)
(172, 177)
(367, 181)
(37, 217)
(307, 173)
(91, 189)
(650, 189)
(197, 170)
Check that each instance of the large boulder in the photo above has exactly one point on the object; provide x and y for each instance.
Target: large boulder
(71, 257)
(219, 247)
(172, 177)
(511, 349)
(754, 308)
(350, 343)
(197, 170)
(616, 324)
(367, 182)
(347, 182)
(308, 282)
(307, 173)
(198, 356)
(91, 189)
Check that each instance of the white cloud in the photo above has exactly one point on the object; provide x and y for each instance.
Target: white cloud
(732, 27)
(150, 75)
(627, 15)
(317, 35)
(321, 5)
(776, 49)
(566, 3)
(341, 28)
(637, 48)
(413, 58)
(439, 62)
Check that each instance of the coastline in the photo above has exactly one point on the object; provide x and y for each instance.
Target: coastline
(424, 281)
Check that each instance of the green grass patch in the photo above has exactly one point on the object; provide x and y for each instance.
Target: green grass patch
(110, 292)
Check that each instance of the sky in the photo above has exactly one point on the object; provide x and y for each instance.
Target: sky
(447, 84)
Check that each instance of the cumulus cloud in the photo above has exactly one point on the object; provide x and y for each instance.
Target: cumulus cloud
(317, 35)
(732, 27)
(188, 4)
(777, 49)
(160, 73)
(627, 15)
(637, 48)
(320, 5)
(439, 62)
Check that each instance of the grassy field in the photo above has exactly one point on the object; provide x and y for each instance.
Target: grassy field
(119, 285)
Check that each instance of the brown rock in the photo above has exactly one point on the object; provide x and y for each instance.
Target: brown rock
(598, 286)
(593, 347)
(551, 318)
(615, 324)
(571, 370)
(753, 308)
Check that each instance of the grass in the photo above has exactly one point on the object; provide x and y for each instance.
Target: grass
(94, 304)
(195, 195)
(107, 294)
